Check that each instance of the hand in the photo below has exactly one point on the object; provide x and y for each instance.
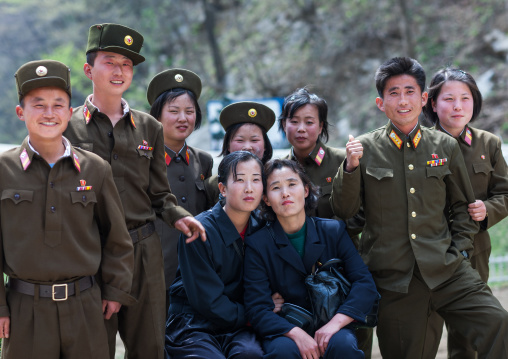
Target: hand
(325, 333)
(191, 227)
(306, 344)
(110, 307)
(277, 301)
(354, 151)
(5, 327)
(477, 210)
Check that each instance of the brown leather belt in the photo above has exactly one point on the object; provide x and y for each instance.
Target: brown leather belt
(142, 232)
(57, 292)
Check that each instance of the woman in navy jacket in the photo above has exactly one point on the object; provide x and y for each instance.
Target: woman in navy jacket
(274, 263)
(206, 317)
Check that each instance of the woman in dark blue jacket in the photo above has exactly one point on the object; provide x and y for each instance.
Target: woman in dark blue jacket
(206, 317)
(279, 257)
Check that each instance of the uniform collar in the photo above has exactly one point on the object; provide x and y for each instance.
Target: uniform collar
(169, 154)
(465, 136)
(398, 138)
(227, 229)
(28, 152)
(317, 155)
(89, 110)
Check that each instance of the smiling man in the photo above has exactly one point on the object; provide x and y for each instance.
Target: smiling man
(133, 143)
(61, 223)
(408, 178)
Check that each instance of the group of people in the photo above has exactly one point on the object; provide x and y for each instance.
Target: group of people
(98, 234)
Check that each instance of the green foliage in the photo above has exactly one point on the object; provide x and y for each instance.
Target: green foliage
(499, 238)
(75, 59)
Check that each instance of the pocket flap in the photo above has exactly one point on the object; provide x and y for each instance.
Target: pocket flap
(380, 173)
(483, 167)
(83, 197)
(17, 195)
(438, 171)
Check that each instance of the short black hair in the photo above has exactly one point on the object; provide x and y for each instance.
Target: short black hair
(399, 66)
(277, 164)
(168, 97)
(90, 58)
(452, 74)
(233, 129)
(300, 98)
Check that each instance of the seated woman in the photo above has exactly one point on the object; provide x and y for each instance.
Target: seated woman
(278, 258)
(206, 317)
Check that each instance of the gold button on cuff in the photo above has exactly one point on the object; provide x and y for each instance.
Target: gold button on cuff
(412, 190)
(411, 167)
(413, 236)
(413, 214)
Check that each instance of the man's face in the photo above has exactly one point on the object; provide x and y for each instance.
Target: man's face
(46, 113)
(111, 73)
(402, 101)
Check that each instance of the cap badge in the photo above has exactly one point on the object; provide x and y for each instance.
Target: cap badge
(41, 71)
(128, 40)
(483, 157)
(178, 78)
(253, 112)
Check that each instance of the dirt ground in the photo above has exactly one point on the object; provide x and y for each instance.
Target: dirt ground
(500, 293)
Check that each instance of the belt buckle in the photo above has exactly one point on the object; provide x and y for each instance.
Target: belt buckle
(53, 292)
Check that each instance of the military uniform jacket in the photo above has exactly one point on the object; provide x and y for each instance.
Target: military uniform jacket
(272, 265)
(212, 189)
(60, 224)
(404, 185)
(321, 166)
(209, 281)
(488, 174)
(135, 150)
(186, 173)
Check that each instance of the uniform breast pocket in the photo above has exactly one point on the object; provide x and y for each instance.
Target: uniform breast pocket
(200, 185)
(379, 173)
(15, 196)
(438, 172)
(483, 167)
(379, 186)
(145, 153)
(86, 198)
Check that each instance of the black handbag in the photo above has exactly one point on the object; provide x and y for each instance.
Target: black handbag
(328, 288)
(298, 316)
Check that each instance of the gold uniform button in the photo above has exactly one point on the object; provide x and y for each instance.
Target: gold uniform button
(413, 214)
(412, 190)
(413, 236)
(411, 167)
(408, 145)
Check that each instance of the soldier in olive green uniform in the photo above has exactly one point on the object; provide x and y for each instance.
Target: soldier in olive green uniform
(454, 102)
(173, 95)
(246, 124)
(61, 223)
(405, 176)
(133, 143)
